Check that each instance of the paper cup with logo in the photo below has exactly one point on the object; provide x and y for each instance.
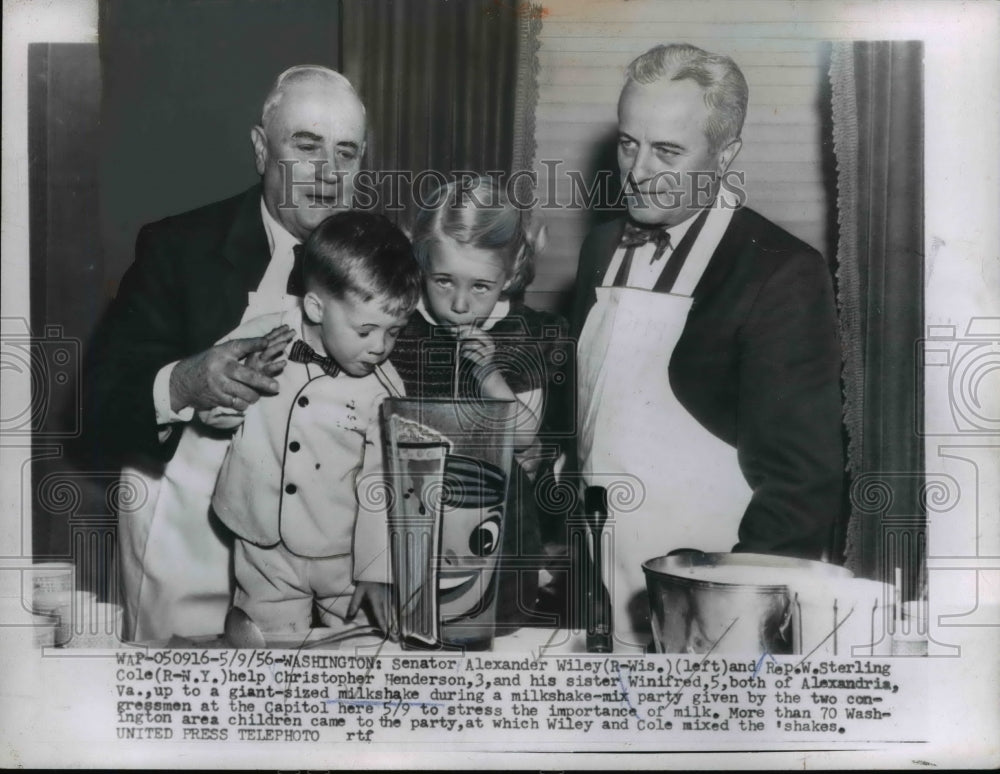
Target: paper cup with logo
(22, 627)
(48, 584)
(69, 611)
(99, 626)
(846, 617)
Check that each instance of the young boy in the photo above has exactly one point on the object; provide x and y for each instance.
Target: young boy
(292, 486)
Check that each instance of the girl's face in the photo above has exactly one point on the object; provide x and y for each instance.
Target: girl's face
(463, 283)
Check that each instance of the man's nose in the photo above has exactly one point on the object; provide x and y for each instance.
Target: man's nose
(329, 170)
(641, 168)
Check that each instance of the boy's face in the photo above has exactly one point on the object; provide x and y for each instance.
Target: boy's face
(357, 334)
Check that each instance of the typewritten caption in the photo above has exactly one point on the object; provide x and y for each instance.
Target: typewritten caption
(265, 695)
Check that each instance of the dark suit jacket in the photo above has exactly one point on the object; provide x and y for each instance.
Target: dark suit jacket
(758, 365)
(186, 289)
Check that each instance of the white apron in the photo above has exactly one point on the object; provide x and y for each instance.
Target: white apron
(633, 430)
(176, 565)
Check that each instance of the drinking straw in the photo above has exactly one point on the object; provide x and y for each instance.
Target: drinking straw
(898, 599)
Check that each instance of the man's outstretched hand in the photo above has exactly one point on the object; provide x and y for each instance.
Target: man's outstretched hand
(216, 377)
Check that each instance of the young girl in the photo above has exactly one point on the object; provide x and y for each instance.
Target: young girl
(477, 256)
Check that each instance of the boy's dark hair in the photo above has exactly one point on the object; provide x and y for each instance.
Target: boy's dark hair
(364, 254)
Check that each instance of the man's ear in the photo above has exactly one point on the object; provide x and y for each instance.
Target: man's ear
(727, 154)
(312, 306)
(259, 140)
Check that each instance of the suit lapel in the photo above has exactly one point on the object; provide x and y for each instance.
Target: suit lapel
(606, 249)
(595, 265)
(736, 239)
(245, 249)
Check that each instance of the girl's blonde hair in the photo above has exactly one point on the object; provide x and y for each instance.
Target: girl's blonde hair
(476, 212)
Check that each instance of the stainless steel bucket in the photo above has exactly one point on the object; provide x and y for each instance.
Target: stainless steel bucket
(727, 603)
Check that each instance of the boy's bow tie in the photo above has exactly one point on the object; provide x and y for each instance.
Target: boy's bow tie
(303, 353)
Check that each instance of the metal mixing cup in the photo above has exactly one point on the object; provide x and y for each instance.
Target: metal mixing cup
(727, 603)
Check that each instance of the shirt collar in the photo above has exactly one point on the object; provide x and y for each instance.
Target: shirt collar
(499, 312)
(278, 238)
(677, 232)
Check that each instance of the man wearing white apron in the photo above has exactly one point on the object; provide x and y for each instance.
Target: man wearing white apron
(708, 355)
(153, 363)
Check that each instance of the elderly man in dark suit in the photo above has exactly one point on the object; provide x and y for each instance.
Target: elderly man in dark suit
(709, 359)
(154, 361)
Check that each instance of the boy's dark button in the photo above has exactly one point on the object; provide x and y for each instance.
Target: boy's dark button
(291, 489)
(294, 446)
(303, 401)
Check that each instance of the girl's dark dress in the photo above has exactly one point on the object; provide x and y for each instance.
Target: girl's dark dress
(533, 351)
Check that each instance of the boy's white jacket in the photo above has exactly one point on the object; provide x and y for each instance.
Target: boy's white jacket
(305, 467)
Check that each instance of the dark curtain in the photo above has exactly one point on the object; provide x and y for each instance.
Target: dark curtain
(66, 290)
(439, 81)
(184, 80)
(877, 94)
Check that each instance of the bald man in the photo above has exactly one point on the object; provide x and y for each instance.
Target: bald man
(154, 361)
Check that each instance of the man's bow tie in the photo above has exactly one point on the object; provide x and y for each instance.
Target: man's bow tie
(637, 236)
(303, 353)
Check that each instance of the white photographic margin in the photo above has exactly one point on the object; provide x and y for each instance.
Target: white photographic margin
(962, 249)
